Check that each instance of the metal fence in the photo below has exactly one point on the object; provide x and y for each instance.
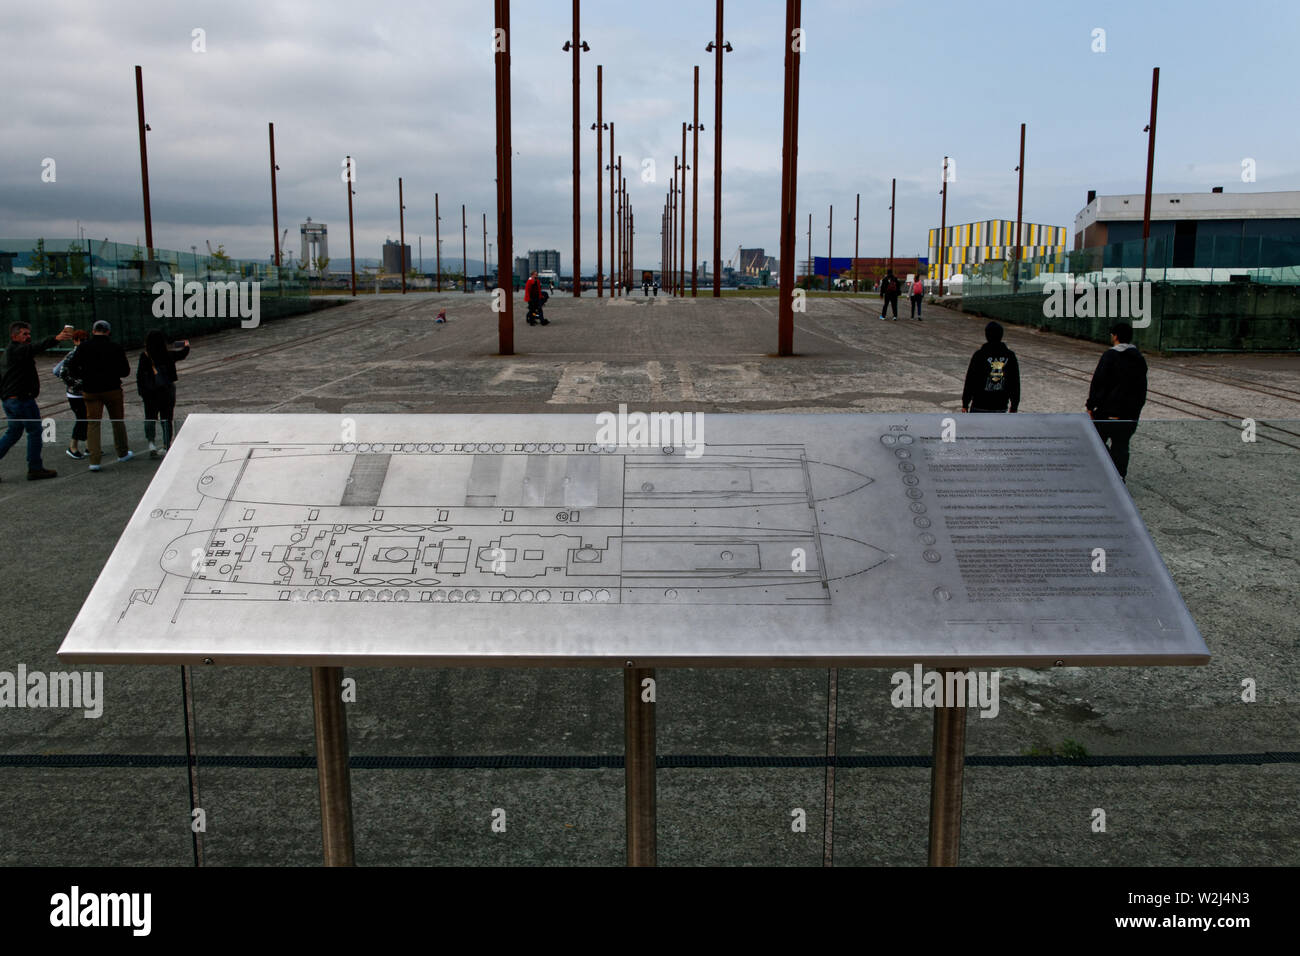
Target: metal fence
(53, 282)
(1214, 294)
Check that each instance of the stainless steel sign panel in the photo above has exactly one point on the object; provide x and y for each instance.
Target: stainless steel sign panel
(512, 540)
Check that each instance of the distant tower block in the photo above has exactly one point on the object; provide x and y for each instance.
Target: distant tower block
(315, 243)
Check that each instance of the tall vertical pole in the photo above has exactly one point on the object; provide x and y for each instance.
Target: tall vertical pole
(672, 191)
(600, 173)
(619, 276)
(464, 259)
(437, 238)
(812, 269)
(893, 192)
(789, 180)
(577, 164)
(1151, 165)
(505, 188)
(943, 222)
(485, 262)
(681, 256)
(1020, 208)
(857, 215)
(612, 204)
(352, 242)
(401, 238)
(275, 209)
(631, 242)
(830, 233)
(695, 189)
(144, 164)
(717, 158)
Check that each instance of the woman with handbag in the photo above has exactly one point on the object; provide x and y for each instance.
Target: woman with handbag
(155, 380)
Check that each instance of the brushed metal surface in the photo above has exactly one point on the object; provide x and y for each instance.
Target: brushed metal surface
(517, 540)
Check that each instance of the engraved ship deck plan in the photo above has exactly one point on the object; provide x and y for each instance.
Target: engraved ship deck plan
(528, 540)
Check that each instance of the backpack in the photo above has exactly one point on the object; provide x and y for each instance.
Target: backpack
(891, 286)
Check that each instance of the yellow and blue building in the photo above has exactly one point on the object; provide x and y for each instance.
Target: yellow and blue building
(973, 243)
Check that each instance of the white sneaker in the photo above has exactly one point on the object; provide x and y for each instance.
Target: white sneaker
(153, 450)
(128, 456)
(96, 468)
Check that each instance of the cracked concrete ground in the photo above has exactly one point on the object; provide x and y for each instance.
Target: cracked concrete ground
(1224, 513)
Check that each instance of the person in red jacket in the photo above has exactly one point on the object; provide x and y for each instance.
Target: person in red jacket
(534, 296)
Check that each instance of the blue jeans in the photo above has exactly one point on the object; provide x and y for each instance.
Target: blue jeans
(23, 415)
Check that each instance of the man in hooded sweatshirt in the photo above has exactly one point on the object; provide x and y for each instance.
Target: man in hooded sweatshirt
(1117, 394)
(993, 377)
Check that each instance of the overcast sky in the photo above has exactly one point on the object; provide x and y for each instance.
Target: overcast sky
(407, 88)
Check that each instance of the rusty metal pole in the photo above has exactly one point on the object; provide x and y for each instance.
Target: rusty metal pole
(631, 241)
(1020, 208)
(612, 203)
(830, 232)
(485, 262)
(437, 236)
(577, 163)
(352, 242)
(505, 188)
(672, 201)
(144, 164)
(893, 184)
(1151, 165)
(681, 256)
(789, 181)
(627, 220)
(618, 269)
(943, 223)
(857, 214)
(464, 258)
(600, 173)
(812, 268)
(275, 209)
(401, 235)
(717, 158)
(695, 189)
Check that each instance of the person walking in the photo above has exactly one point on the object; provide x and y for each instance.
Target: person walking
(993, 376)
(918, 293)
(1117, 394)
(72, 390)
(155, 381)
(19, 386)
(889, 293)
(534, 296)
(101, 365)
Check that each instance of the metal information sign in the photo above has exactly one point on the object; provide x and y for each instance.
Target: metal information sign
(637, 541)
(764, 540)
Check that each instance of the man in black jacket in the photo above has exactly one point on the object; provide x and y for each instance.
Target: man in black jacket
(1117, 394)
(19, 386)
(889, 294)
(993, 377)
(101, 365)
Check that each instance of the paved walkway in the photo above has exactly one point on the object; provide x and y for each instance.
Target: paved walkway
(1176, 753)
